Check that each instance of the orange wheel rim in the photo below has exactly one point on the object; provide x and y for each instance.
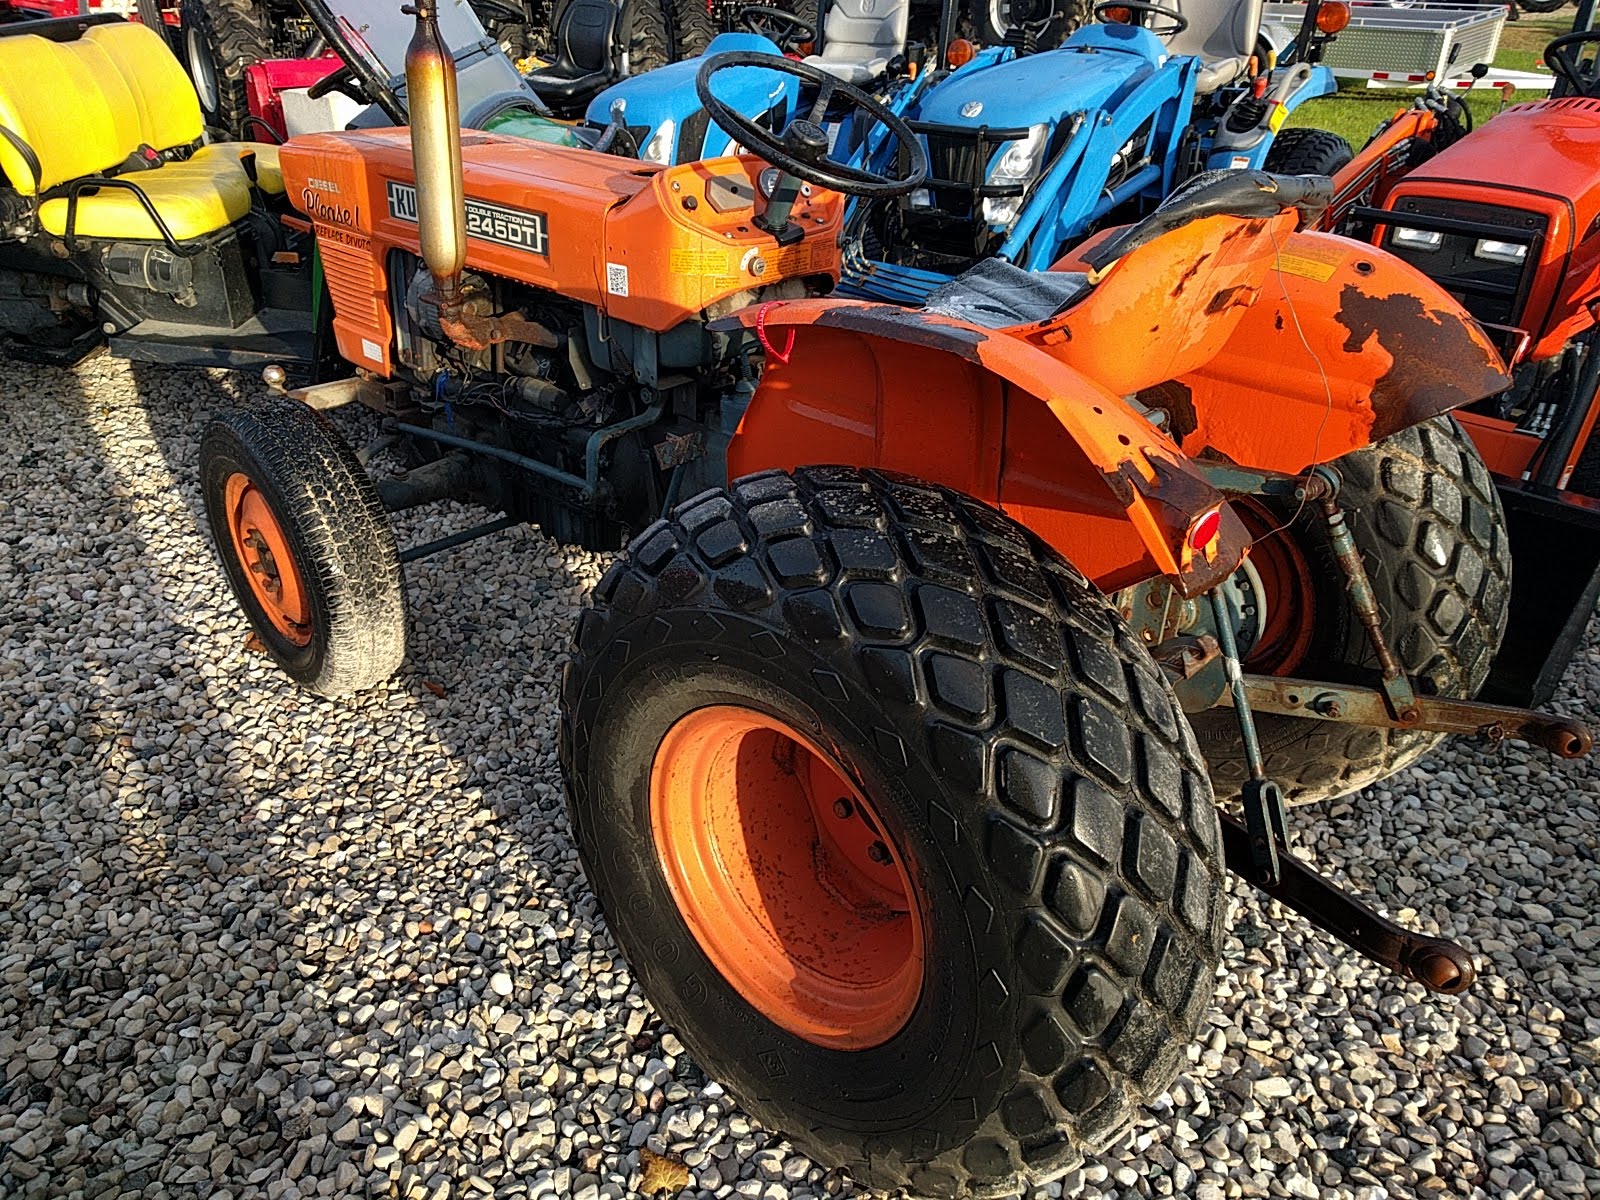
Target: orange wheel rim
(789, 881)
(1291, 594)
(269, 564)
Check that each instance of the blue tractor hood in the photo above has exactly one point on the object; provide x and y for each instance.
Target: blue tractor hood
(667, 94)
(1091, 70)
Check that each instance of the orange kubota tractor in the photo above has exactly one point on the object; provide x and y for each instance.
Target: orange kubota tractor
(880, 737)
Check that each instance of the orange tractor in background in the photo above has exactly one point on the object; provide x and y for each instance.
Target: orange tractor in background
(894, 737)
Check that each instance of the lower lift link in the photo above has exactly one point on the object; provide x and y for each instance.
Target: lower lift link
(1258, 848)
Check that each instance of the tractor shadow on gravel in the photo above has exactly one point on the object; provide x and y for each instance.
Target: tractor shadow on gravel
(261, 929)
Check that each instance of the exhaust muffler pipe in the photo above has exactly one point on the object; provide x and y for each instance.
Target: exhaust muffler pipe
(435, 115)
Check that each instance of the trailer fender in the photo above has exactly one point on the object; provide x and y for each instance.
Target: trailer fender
(1345, 345)
(874, 385)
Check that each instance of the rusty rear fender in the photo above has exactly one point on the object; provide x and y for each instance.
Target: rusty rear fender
(1345, 346)
(876, 385)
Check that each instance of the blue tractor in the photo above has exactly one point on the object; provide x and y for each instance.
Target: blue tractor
(1028, 152)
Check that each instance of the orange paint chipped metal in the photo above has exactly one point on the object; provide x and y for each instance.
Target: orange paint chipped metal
(788, 877)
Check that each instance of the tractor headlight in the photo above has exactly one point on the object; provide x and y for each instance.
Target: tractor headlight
(1019, 163)
(659, 148)
(1427, 240)
(1498, 251)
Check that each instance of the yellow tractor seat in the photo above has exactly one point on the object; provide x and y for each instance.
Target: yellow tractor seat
(269, 176)
(194, 198)
(81, 110)
(164, 101)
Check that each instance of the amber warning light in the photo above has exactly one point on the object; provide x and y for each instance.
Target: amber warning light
(1332, 16)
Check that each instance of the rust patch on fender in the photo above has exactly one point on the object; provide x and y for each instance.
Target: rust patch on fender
(1438, 365)
(1194, 269)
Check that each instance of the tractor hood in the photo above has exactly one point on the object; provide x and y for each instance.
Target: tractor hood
(662, 110)
(1045, 88)
(1552, 197)
(1555, 145)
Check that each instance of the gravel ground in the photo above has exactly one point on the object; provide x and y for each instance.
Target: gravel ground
(260, 944)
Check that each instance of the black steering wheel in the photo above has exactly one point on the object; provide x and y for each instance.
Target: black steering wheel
(341, 80)
(1562, 57)
(783, 27)
(1176, 21)
(802, 148)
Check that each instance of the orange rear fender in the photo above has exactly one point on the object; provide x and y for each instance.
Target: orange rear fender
(1345, 346)
(874, 385)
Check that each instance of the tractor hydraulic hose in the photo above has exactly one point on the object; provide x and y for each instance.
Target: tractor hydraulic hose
(436, 155)
(1580, 396)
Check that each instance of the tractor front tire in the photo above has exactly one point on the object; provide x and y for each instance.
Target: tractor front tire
(1425, 514)
(902, 831)
(1301, 151)
(219, 40)
(306, 545)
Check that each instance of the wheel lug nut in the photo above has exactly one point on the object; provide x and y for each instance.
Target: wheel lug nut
(879, 853)
(842, 808)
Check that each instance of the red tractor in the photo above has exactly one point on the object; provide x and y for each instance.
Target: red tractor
(1516, 248)
(892, 740)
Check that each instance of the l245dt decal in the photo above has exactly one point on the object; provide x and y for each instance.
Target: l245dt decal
(487, 222)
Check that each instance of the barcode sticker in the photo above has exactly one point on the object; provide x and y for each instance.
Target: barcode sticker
(616, 279)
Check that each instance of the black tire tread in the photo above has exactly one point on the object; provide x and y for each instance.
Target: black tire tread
(239, 34)
(778, 537)
(1304, 151)
(693, 27)
(645, 29)
(338, 528)
(1424, 510)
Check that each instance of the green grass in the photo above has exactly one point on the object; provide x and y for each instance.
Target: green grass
(1356, 112)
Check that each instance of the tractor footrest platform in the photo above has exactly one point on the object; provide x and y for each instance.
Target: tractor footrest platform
(273, 335)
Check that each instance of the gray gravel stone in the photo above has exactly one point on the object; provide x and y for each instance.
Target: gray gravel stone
(262, 945)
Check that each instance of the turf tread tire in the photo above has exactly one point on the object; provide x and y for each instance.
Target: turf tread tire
(337, 529)
(1425, 512)
(990, 673)
(238, 34)
(1303, 151)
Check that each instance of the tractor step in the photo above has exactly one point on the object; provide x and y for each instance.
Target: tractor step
(274, 335)
(1436, 963)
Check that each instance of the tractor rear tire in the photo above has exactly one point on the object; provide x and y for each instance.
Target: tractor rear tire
(306, 545)
(1308, 152)
(219, 40)
(693, 27)
(838, 657)
(1424, 511)
(646, 35)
